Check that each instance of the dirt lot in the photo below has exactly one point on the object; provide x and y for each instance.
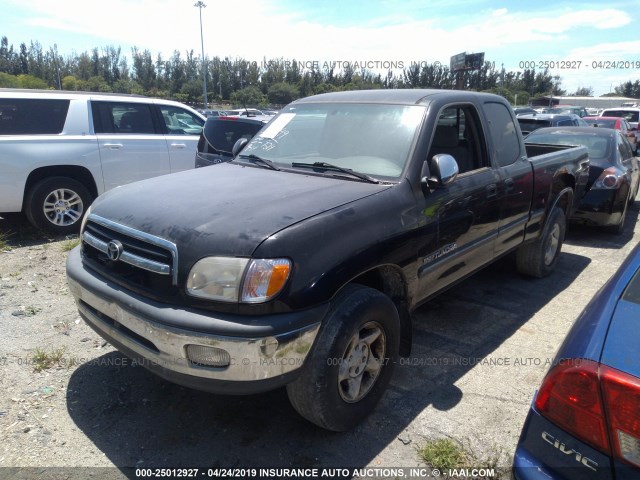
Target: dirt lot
(68, 399)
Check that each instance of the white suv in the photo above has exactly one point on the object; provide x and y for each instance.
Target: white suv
(60, 150)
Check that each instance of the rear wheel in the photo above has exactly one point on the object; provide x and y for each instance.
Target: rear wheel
(352, 361)
(57, 205)
(619, 228)
(539, 258)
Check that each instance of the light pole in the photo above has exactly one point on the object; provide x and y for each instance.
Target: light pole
(200, 6)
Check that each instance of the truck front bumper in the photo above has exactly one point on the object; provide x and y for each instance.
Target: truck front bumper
(220, 353)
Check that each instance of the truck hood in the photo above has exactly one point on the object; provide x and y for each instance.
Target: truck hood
(226, 209)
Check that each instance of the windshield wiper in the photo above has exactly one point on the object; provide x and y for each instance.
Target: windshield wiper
(330, 166)
(260, 160)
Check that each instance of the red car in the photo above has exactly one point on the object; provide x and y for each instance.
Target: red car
(617, 123)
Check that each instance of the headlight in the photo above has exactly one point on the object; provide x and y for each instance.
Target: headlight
(238, 279)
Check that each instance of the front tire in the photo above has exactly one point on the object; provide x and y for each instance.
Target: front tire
(538, 259)
(352, 360)
(57, 205)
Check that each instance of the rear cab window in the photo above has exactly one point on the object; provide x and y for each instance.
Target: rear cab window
(32, 116)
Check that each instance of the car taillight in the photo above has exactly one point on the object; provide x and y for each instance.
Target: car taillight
(609, 178)
(595, 403)
(622, 404)
(570, 398)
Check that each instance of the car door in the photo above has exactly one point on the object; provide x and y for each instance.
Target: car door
(515, 185)
(131, 142)
(467, 211)
(182, 133)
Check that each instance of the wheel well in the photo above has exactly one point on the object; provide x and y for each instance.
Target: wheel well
(390, 281)
(560, 183)
(81, 174)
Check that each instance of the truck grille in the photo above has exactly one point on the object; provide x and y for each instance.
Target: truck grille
(136, 259)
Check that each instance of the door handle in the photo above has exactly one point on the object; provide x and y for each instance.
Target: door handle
(492, 190)
(113, 146)
(178, 145)
(509, 185)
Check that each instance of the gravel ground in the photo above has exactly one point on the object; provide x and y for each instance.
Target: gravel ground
(90, 407)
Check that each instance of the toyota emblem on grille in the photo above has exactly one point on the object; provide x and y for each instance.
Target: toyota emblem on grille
(114, 250)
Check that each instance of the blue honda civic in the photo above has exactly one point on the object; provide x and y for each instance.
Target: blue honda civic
(584, 422)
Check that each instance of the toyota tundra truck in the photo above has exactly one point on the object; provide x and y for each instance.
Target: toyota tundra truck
(300, 262)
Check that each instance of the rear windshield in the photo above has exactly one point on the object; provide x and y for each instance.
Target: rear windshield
(32, 116)
(631, 116)
(220, 135)
(601, 123)
(531, 125)
(599, 147)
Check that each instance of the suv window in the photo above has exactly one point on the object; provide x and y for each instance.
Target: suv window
(180, 122)
(122, 118)
(32, 116)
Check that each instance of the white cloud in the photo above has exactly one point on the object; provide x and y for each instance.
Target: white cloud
(257, 30)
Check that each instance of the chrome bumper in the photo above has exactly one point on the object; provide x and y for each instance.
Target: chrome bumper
(251, 359)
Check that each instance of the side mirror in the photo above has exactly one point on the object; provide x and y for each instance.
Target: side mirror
(443, 169)
(239, 145)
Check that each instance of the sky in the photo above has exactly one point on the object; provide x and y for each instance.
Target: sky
(587, 43)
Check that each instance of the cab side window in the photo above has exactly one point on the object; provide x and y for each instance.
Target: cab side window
(504, 135)
(458, 134)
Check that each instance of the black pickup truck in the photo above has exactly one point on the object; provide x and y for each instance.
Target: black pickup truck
(299, 262)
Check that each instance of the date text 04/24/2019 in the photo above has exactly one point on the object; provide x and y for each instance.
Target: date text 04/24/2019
(579, 64)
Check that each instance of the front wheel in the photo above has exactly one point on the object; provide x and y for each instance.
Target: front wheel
(352, 361)
(539, 258)
(57, 205)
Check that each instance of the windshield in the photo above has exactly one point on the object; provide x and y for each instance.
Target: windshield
(598, 146)
(372, 139)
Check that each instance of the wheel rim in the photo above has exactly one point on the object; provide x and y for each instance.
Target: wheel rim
(63, 207)
(552, 244)
(362, 362)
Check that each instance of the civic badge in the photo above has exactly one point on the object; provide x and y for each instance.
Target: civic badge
(114, 250)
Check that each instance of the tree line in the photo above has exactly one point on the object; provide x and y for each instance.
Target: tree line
(236, 80)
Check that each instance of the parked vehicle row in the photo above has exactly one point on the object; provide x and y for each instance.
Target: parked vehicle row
(530, 122)
(614, 172)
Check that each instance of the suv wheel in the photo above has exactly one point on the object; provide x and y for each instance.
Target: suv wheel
(57, 205)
